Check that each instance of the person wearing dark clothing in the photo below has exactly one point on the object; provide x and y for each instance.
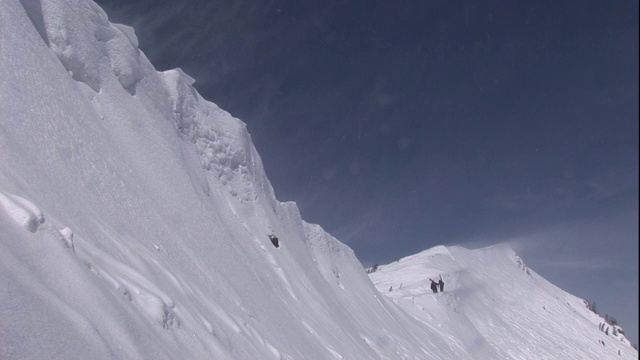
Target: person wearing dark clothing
(434, 286)
(441, 284)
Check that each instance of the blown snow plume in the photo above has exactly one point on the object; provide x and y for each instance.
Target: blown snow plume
(136, 222)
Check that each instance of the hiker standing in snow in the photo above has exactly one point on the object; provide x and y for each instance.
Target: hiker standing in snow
(434, 286)
(441, 283)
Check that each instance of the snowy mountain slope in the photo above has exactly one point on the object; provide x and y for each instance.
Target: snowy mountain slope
(135, 219)
(498, 306)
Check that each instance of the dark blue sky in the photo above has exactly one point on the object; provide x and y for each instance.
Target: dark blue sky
(398, 126)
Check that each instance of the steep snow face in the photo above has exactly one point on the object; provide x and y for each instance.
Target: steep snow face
(135, 217)
(135, 223)
(223, 143)
(497, 307)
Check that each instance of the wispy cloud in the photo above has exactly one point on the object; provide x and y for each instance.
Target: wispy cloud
(575, 263)
(568, 194)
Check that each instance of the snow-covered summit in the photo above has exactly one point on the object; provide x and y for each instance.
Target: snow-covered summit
(493, 300)
(136, 221)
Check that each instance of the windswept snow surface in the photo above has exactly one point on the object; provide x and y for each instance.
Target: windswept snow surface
(496, 307)
(135, 219)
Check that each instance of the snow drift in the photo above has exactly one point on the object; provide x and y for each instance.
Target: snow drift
(135, 219)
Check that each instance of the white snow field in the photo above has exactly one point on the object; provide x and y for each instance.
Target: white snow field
(135, 219)
(496, 307)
